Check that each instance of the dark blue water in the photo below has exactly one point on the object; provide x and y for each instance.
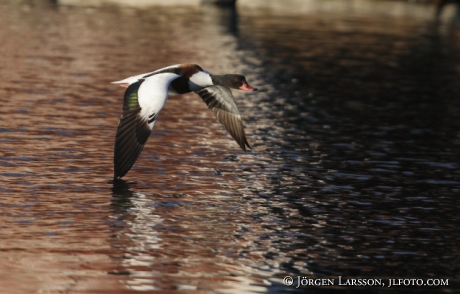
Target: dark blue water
(354, 171)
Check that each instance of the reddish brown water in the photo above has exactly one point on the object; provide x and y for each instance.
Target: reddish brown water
(354, 170)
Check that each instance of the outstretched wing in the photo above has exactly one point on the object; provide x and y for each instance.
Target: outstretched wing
(142, 103)
(130, 80)
(220, 100)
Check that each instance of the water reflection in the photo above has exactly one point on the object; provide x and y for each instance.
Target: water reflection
(172, 242)
(349, 141)
(137, 237)
(223, 17)
(441, 4)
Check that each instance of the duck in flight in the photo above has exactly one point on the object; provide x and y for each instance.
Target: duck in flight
(146, 94)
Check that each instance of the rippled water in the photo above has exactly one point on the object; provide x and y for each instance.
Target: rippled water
(354, 171)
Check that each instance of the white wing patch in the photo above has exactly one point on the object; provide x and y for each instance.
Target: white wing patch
(153, 94)
(128, 81)
(133, 79)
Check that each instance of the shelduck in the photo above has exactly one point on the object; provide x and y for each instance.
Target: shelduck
(146, 94)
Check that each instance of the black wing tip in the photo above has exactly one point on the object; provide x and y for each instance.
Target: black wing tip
(117, 174)
(117, 178)
(245, 144)
(121, 168)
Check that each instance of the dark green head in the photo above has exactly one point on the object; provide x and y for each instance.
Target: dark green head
(232, 81)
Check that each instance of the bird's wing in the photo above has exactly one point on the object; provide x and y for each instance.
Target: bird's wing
(130, 80)
(142, 103)
(221, 102)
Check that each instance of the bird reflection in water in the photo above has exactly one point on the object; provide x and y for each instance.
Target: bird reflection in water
(122, 195)
(134, 236)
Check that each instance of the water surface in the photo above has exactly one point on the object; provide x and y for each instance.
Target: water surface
(354, 170)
